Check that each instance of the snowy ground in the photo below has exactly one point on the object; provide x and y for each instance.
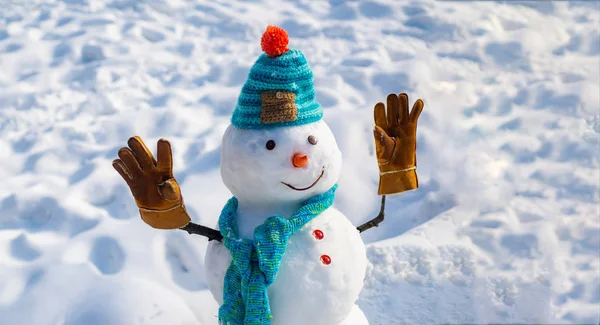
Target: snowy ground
(505, 227)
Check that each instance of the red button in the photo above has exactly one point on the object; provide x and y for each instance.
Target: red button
(326, 259)
(318, 234)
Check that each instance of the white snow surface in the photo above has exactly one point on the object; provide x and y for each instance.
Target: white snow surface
(504, 228)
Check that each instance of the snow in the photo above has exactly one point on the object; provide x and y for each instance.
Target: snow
(504, 228)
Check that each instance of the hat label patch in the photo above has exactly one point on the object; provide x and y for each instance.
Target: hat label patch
(278, 106)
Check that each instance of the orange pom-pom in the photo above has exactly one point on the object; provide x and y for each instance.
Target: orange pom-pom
(274, 41)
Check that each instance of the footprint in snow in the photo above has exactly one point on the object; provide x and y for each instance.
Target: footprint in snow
(482, 107)
(107, 255)
(25, 142)
(523, 246)
(185, 49)
(118, 204)
(62, 50)
(12, 47)
(63, 21)
(298, 30)
(511, 125)
(374, 10)
(96, 22)
(21, 248)
(508, 55)
(153, 35)
(41, 214)
(341, 32)
(341, 10)
(91, 53)
(390, 82)
(429, 27)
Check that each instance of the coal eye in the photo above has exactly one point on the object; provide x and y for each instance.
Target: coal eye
(312, 140)
(270, 145)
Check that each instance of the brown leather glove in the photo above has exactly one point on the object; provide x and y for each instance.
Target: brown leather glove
(396, 144)
(154, 189)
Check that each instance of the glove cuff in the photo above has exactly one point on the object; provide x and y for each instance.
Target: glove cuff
(172, 218)
(398, 181)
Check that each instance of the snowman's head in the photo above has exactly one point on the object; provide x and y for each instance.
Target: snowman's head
(278, 149)
(283, 164)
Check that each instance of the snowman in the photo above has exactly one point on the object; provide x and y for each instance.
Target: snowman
(281, 254)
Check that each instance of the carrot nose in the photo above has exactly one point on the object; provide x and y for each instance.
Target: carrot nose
(299, 160)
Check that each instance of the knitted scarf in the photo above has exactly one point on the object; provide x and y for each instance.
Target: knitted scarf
(255, 263)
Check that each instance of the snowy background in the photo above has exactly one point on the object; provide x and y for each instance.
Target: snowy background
(505, 227)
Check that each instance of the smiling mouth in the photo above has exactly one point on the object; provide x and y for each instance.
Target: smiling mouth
(306, 188)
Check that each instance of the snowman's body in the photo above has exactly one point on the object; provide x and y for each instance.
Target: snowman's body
(322, 272)
(307, 290)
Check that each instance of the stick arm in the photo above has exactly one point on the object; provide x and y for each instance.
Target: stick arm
(196, 229)
(375, 221)
(212, 234)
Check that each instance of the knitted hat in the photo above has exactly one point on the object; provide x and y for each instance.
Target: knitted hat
(279, 90)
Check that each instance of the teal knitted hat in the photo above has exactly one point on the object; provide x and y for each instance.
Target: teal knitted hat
(279, 90)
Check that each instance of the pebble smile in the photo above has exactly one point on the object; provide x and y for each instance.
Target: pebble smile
(306, 188)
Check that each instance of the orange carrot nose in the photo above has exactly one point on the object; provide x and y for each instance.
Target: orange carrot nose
(299, 160)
